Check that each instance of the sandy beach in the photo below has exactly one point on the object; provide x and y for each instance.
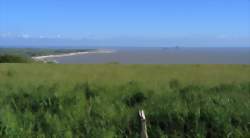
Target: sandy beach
(98, 51)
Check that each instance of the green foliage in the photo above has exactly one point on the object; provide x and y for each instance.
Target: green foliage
(174, 84)
(95, 101)
(14, 59)
(135, 99)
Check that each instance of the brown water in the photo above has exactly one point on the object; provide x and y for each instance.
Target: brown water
(163, 56)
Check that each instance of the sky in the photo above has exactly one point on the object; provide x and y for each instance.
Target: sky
(193, 23)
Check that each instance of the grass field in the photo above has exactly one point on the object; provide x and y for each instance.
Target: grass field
(95, 101)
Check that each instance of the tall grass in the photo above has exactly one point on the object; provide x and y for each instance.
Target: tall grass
(95, 101)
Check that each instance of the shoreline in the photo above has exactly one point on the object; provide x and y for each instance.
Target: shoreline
(97, 51)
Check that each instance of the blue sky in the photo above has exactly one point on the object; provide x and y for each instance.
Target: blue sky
(125, 22)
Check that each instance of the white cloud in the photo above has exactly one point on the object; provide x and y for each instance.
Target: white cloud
(26, 36)
(222, 36)
(5, 35)
(41, 37)
(58, 36)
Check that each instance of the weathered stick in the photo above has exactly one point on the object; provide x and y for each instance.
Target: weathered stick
(144, 133)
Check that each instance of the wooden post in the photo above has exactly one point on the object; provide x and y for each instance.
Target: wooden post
(144, 133)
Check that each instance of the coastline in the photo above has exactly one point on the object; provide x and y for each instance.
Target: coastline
(97, 51)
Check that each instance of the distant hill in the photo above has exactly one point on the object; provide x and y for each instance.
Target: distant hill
(24, 55)
(32, 52)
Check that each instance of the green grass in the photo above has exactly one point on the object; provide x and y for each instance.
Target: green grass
(95, 101)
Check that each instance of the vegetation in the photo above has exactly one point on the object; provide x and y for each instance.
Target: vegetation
(24, 55)
(14, 59)
(32, 52)
(95, 101)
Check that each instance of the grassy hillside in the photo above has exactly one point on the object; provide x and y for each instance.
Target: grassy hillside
(95, 101)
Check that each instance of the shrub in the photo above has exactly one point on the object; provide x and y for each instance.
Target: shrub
(174, 84)
(135, 99)
(14, 59)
